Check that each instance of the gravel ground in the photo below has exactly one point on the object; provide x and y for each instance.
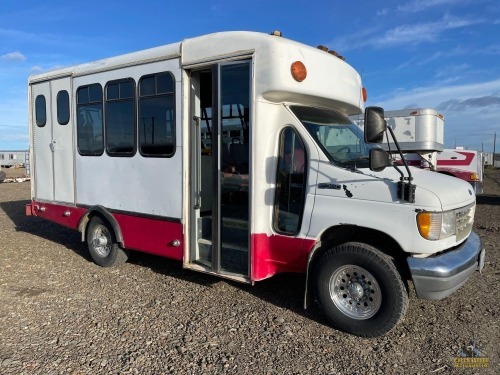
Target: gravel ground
(62, 314)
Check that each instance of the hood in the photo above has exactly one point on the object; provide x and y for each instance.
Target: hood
(451, 191)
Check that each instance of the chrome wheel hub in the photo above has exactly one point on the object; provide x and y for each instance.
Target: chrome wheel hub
(355, 292)
(101, 241)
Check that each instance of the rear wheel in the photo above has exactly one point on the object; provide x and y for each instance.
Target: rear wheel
(360, 290)
(102, 245)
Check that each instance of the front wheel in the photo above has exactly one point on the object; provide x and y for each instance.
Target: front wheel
(360, 290)
(102, 244)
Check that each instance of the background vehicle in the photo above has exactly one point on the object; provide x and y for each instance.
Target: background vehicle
(420, 133)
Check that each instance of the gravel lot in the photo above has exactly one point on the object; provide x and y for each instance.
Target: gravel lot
(62, 314)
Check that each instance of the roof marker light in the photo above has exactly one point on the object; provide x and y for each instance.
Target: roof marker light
(276, 33)
(322, 47)
(299, 71)
(336, 54)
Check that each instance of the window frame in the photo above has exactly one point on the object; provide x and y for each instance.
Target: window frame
(59, 108)
(41, 124)
(105, 117)
(155, 95)
(281, 148)
(87, 86)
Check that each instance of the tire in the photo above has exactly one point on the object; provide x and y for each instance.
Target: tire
(102, 245)
(360, 290)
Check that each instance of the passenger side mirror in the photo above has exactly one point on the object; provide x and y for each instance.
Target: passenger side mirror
(379, 159)
(375, 125)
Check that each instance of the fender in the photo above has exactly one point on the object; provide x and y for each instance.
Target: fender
(307, 293)
(82, 225)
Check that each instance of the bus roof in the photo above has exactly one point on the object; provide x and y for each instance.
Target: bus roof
(330, 80)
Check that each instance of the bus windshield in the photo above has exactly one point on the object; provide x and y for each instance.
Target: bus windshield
(340, 139)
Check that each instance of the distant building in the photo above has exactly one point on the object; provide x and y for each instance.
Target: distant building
(12, 158)
(491, 159)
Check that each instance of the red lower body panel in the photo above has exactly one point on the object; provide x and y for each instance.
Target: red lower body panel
(151, 235)
(270, 254)
(274, 254)
(145, 234)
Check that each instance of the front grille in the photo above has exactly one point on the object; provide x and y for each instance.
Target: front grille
(464, 220)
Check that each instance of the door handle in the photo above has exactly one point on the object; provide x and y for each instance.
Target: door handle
(197, 162)
(52, 145)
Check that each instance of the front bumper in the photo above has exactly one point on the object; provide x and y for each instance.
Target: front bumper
(439, 276)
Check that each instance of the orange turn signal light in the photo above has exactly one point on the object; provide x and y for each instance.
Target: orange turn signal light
(474, 176)
(299, 71)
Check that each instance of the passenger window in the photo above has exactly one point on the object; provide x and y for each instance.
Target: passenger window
(120, 118)
(89, 130)
(157, 115)
(40, 111)
(62, 107)
(290, 183)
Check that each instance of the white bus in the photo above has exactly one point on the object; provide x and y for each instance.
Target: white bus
(233, 153)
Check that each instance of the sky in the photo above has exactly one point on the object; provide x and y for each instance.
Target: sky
(441, 54)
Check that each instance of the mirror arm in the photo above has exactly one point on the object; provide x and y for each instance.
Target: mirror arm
(410, 178)
(406, 191)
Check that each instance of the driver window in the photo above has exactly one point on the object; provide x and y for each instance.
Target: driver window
(290, 184)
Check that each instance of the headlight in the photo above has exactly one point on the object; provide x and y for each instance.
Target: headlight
(436, 225)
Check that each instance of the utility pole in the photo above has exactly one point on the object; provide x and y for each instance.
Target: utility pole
(494, 147)
(494, 144)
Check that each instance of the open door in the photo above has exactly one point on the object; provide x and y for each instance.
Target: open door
(220, 169)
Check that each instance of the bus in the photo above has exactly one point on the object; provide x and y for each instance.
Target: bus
(233, 153)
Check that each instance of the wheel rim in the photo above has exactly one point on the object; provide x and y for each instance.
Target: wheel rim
(101, 241)
(355, 292)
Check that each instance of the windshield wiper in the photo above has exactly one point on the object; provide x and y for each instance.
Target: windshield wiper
(352, 162)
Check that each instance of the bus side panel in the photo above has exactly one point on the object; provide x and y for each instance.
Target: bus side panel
(152, 236)
(274, 254)
(133, 183)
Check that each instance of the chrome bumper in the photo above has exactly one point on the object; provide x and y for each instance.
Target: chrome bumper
(439, 276)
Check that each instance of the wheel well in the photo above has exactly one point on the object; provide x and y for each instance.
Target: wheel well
(105, 216)
(340, 234)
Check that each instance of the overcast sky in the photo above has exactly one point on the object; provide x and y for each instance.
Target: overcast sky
(441, 54)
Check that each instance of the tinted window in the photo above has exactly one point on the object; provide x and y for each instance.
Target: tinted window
(290, 184)
(157, 115)
(89, 130)
(62, 107)
(120, 118)
(40, 111)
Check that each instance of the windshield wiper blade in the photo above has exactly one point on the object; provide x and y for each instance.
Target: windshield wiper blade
(361, 158)
(351, 163)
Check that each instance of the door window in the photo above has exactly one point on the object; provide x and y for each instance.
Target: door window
(40, 111)
(62, 107)
(291, 183)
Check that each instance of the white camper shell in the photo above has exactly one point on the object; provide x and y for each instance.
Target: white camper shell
(233, 153)
(420, 134)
